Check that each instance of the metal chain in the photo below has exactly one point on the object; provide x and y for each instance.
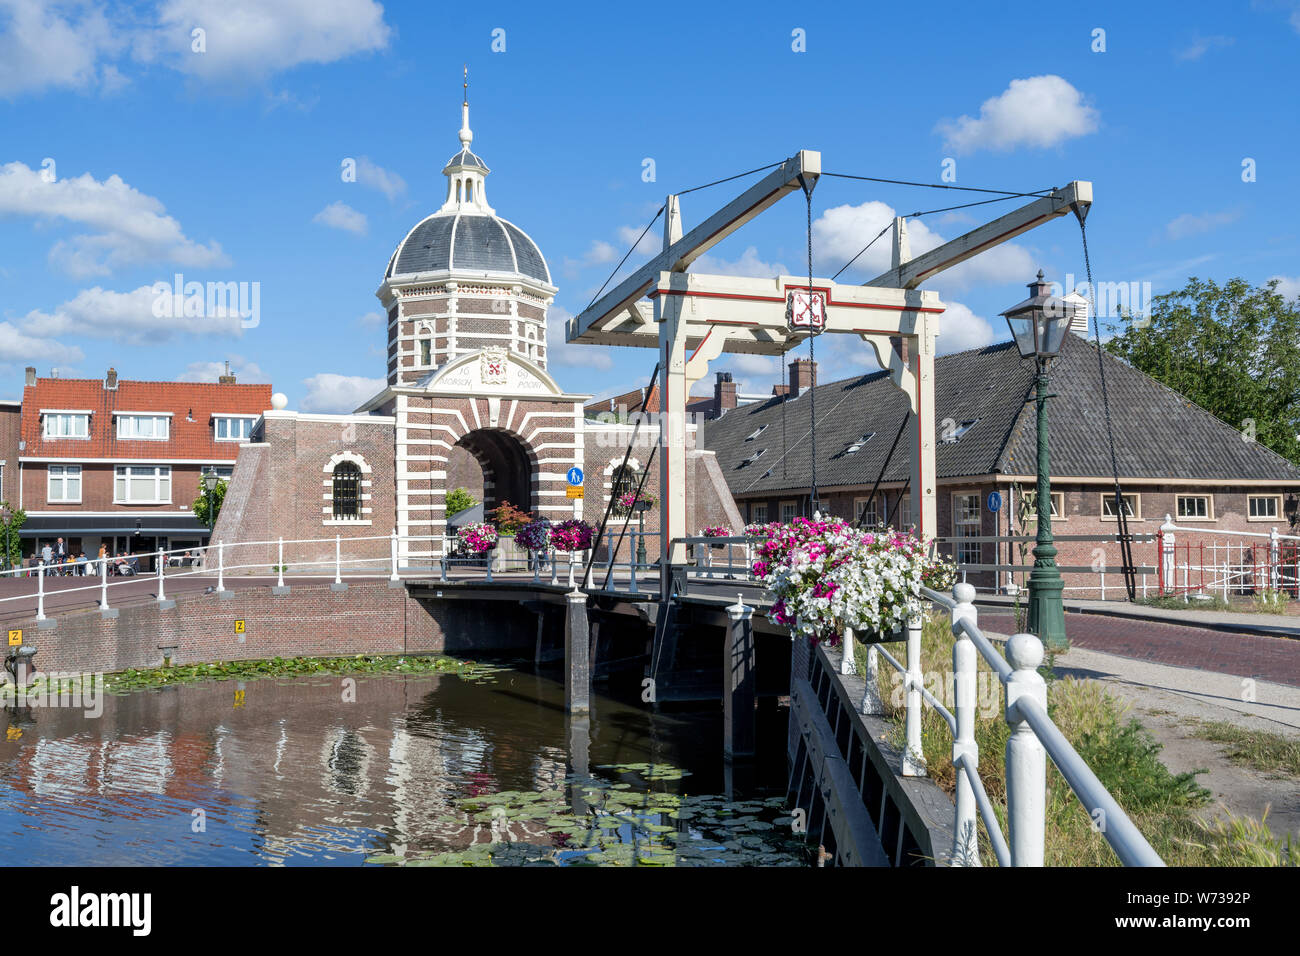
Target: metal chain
(812, 358)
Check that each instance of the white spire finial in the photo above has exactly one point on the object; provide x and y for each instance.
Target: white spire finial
(466, 136)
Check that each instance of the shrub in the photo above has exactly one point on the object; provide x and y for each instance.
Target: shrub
(459, 500)
(508, 518)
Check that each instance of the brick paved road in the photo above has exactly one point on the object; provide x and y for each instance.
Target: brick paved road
(1244, 655)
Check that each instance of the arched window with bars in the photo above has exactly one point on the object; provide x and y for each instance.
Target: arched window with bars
(623, 482)
(347, 491)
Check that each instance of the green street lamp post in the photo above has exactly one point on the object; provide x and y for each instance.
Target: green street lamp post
(6, 517)
(1039, 325)
(209, 491)
(641, 506)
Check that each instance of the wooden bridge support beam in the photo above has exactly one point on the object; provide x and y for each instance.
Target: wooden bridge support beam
(577, 654)
(739, 684)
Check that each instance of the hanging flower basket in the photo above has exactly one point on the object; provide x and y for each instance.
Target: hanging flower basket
(534, 536)
(628, 501)
(572, 535)
(716, 531)
(478, 538)
(828, 576)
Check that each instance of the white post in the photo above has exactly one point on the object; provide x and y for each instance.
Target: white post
(1273, 582)
(1167, 555)
(631, 565)
(488, 554)
(392, 550)
(914, 754)
(279, 557)
(555, 569)
(40, 593)
(221, 566)
(442, 564)
(103, 583)
(573, 584)
(871, 700)
(1103, 585)
(338, 559)
(847, 664)
(965, 836)
(536, 557)
(162, 561)
(587, 557)
(1026, 758)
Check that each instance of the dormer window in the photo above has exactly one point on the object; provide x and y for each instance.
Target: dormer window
(144, 426)
(61, 424)
(232, 427)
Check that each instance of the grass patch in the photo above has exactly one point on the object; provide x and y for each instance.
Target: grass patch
(1125, 757)
(1175, 602)
(1259, 750)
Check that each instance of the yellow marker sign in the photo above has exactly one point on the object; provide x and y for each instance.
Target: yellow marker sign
(15, 636)
(239, 626)
(239, 698)
(572, 492)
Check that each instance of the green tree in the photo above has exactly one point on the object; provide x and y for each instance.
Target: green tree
(200, 505)
(11, 541)
(1232, 349)
(458, 500)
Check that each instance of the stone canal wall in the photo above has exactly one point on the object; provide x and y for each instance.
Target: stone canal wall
(310, 620)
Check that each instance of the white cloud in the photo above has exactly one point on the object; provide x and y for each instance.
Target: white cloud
(128, 317)
(332, 393)
(1038, 111)
(840, 233)
(560, 353)
(43, 45)
(749, 264)
(376, 177)
(961, 329)
(1201, 45)
(1189, 224)
(246, 372)
(131, 228)
(248, 40)
(372, 320)
(649, 244)
(1288, 287)
(339, 215)
(17, 345)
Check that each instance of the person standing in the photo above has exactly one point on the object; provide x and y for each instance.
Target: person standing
(61, 557)
(47, 554)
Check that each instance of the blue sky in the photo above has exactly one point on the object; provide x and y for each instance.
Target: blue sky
(225, 165)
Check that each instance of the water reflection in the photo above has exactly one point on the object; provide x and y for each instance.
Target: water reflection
(290, 772)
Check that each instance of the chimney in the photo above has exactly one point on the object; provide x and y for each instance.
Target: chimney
(803, 376)
(226, 379)
(31, 375)
(724, 394)
(110, 380)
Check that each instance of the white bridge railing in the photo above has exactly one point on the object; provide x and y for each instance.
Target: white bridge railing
(1034, 737)
(1247, 562)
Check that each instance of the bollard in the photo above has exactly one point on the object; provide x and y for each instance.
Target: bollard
(913, 754)
(221, 567)
(40, 593)
(847, 664)
(1026, 758)
(738, 679)
(162, 560)
(965, 851)
(392, 549)
(279, 581)
(577, 654)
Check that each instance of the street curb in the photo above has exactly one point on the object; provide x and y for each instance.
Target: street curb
(1131, 614)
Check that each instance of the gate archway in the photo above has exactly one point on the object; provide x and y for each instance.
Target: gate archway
(506, 469)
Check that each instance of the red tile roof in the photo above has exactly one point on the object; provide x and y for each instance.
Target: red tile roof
(192, 440)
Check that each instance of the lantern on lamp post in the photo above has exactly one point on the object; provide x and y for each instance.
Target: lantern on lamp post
(1038, 326)
(210, 481)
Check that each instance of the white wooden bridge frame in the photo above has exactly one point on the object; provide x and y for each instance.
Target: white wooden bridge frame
(693, 318)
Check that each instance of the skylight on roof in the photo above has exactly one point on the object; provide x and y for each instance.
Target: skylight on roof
(952, 431)
(855, 445)
(755, 433)
(753, 458)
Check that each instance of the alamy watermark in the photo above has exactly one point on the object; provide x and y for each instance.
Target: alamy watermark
(208, 300)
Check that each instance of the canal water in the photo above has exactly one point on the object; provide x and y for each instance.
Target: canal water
(384, 769)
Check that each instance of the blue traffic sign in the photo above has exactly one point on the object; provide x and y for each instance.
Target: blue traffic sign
(995, 501)
(575, 476)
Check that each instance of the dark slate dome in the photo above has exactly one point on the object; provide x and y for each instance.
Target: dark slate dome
(467, 242)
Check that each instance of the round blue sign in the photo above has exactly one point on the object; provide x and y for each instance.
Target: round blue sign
(575, 476)
(995, 501)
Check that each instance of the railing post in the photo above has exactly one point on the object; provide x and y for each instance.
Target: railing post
(536, 557)
(442, 564)
(588, 558)
(872, 703)
(40, 592)
(847, 664)
(965, 689)
(279, 557)
(631, 565)
(573, 584)
(162, 561)
(103, 583)
(392, 549)
(1026, 758)
(555, 568)
(1165, 536)
(221, 566)
(488, 554)
(338, 559)
(1273, 582)
(914, 753)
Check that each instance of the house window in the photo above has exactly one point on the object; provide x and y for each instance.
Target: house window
(1030, 499)
(67, 425)
(623, 483)
(142, 484)
(1195, 508)
(865, 508)
(153, 427)
(426, 352)
(65, 484)
(788, 511)
(1262, 507)
(347, 491)
(1132, 506)
(966, 524)
(233, 427)
(758, 512)
(223, 472)
(905, 513)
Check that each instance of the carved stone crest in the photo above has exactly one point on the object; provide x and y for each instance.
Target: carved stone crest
(492, 367)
